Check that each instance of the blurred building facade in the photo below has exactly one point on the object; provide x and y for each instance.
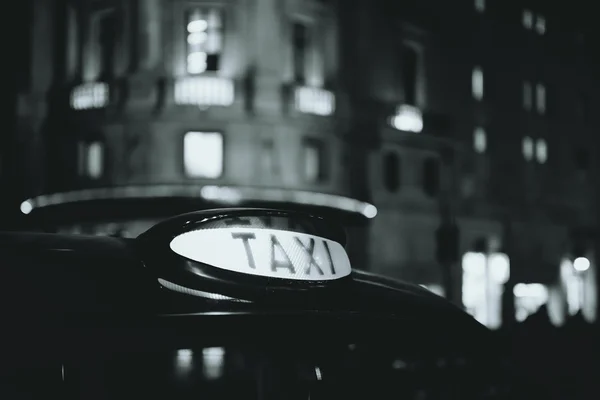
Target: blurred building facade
(206, 103)
(426, 109)
(482, 108)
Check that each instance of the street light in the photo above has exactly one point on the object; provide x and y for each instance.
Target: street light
(574, 274)
(581, 264)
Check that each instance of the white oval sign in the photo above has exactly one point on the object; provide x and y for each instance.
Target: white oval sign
(266, 252)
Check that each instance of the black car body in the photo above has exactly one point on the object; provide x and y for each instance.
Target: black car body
(103, 317)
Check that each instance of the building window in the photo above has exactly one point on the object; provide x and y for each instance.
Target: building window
(527, 95)
(527, 147)
(410, 65)
(431, 176)
(91, 159)
(479, 140)
(314, 161)
(477, 83)
(267, 158)
(529, 297)
(391, 171)
(527, 19)
(540, 94)
(107, 43)
(204, 36)
(540, 24)
(528, 22)
(480, 5)
(300, 48)
(203, 154)
(541, 151)
(483, 276)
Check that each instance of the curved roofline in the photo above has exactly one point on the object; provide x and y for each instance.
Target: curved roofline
(232, 195)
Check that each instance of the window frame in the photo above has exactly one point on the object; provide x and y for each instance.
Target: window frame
(477, 74)
(323, 167)
(184, 167)
(83, 159)
(476, 131)
(186, 10)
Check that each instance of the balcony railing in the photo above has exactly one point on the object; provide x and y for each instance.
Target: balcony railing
(89, 96)
(204, 91)
(311, 100)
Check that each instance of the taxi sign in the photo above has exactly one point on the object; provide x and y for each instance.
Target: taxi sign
(265, 252)
(247, 253)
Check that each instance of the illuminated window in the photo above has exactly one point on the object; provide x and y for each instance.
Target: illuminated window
(408, 118)
(391, 171)
(90, 95)
(204, 91)
(477, 83)
(541, 151)
(527, 19)
(483, 279)
(203, 154)
(91, 159)
(527, 148)
(473, 285)
(311, 100)
(479, 140)
(527, 95)
(578, 280)
(410, 65)
(540, 24)
(204, 35)
(213, 362)
(431, 176)
(540, 94)
(107, 43)
(528, 299)
(300, 48)
(314, 161)
(480, 5)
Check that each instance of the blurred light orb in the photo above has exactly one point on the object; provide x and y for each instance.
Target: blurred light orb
(370, 211)
(408, 118)
(26, 207)
(198, 25)
(581, 264)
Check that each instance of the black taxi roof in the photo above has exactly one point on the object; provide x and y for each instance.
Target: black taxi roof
(65, 263)
(74, 280)
(67, 274)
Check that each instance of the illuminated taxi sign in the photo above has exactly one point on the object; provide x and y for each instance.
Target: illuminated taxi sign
(265, 252)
